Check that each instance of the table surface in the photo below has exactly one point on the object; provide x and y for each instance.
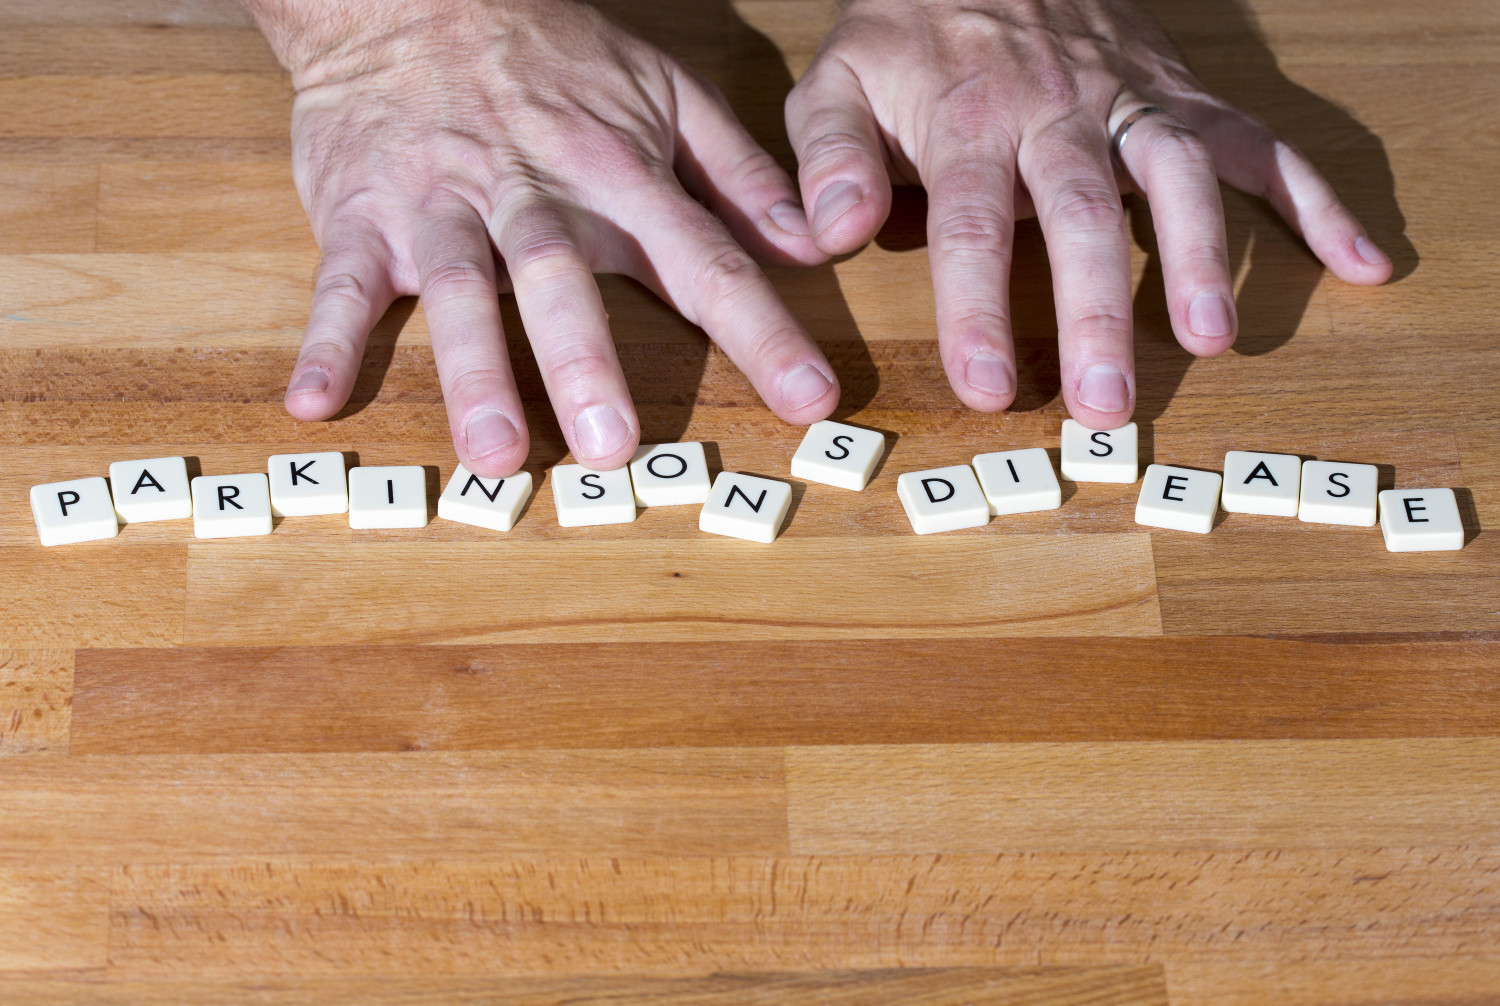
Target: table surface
(1061, 756)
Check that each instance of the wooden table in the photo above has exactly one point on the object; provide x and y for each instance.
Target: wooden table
(1061, 756)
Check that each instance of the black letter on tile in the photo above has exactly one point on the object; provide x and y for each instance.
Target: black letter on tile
(227, 494)
(592, 485)
(927, 487)
(1407, 502)
(651, 465)
(1166, 493)
(65, 503)
(839, 457)
(390, 491)
(1334, 478)
(1108, 447)
(1260, 471)
(301, 473)
(1012, 466)
(474, 480)
(753, 506)
(147, 479)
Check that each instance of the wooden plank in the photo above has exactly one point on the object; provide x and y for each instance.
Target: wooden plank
(1157, 795)
(36, 700)
(1271, 583)
(571, 695)
(193, 105)
(53, 919)
(690, 916)
(652, 590)
(105, 50)
(143, 207)
(1106, 986)
(1411, 982)
(163, 809)
(47, 207)
(92, 594)
(156, 13)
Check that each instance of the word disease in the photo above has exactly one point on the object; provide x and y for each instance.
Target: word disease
(748, 506)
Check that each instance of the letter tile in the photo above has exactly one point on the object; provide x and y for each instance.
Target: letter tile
(1018, 481)
(943, 499)
(490, 503)
(1337, 493)
(745, 506)
(1099, 455)
(670, 475)
(153, 489)
(584, 497)
(231, 506)
(1261, 483)
(837, 454)
(1421, 520)
(1182, 499)
(304, 485)
(74, 511)
(387, 496)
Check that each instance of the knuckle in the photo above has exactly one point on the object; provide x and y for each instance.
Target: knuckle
(972, 229)
(1180, 146)
(1102, 319)
(463, 276)
(575, 363)
(725, 275)
(339, 285)
(1089, 206)
(832, 150)
(476, 384)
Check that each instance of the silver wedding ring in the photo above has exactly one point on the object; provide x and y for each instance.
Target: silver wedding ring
(1118, 140)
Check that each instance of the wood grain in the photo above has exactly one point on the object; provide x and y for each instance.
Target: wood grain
(165, 809)
(36, 700)
(250, 594)
(53, 919)
(571, 695)
(689, 916)
(48, 208)
(1104, 986)
(1415, 982)
(847, 800)
(92, 594)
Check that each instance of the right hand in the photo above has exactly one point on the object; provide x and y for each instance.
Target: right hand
(431, 136)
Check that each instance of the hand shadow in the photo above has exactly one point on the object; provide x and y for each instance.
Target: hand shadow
(1279, 274)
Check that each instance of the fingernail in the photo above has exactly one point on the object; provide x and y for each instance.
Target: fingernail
(600, 431)
(803, 385)
(1103, 389)
(1208, 315)
(834, 203)
(988, 373)
(489, 431)
(790, 217)
(1370, 251)
(308, 381)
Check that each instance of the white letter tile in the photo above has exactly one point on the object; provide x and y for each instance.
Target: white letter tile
(1261, 483)
(154, 489)
(943, 499)
(745, 506)
(1098, 455)
(489, 503)
(1420, 520)
(838, 455)
(386, 496)
(74, 511)
(1018, 481)
(585, 497)
(231, 506)
(1336, 493)
(303, 485)
(1182, 499)
(670, 475)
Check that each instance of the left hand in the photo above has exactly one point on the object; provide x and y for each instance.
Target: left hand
(1001, 108)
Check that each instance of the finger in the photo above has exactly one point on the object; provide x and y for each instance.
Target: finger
(1072, 182)
(840, 157)
(352, 291)
(456, 269)
(569, 331)
(1173, 168)
(720, 163)
(1253, 159)
(970, 224)
(693, 263)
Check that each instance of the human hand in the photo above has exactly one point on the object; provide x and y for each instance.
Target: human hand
(1002, 108)
(431, 136)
